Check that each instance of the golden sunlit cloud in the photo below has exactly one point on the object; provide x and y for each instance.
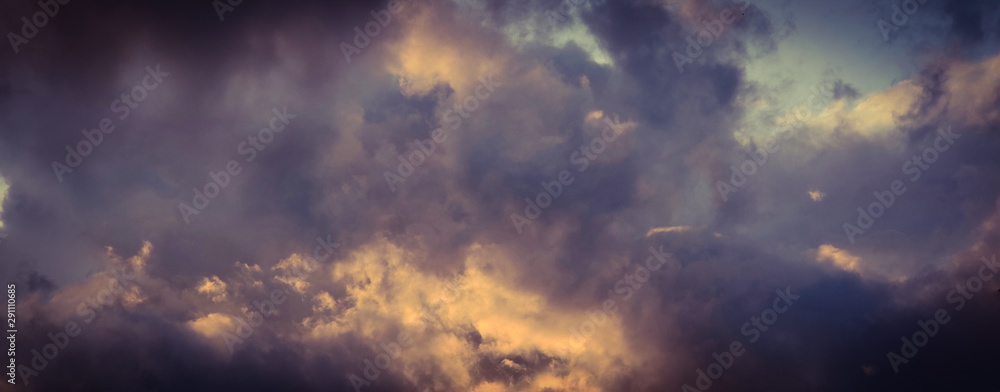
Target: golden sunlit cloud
(671, 229)
(295, 271)
(213, 325)
(4, 187)
(838, 257)
(881, 115)
(429, 57)
(214, 288)
(387, 295)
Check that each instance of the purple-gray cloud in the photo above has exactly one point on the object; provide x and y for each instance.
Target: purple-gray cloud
(524, 290)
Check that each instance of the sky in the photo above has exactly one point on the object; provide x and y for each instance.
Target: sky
(485, 195)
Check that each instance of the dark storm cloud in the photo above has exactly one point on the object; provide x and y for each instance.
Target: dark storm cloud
(169, 144)
(844, 90)
(324, 176)
(127, 190)
(969, 19)
(141, 352)
(963, 25)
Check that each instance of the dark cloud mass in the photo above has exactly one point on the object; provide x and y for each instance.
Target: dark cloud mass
(473, 195)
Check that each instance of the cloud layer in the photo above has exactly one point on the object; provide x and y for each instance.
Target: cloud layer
(494, 196)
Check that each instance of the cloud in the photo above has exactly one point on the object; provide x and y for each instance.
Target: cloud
(214, 288)
(838, 257)
(482, 306)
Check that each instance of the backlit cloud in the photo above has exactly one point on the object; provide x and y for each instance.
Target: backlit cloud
(474, 195)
